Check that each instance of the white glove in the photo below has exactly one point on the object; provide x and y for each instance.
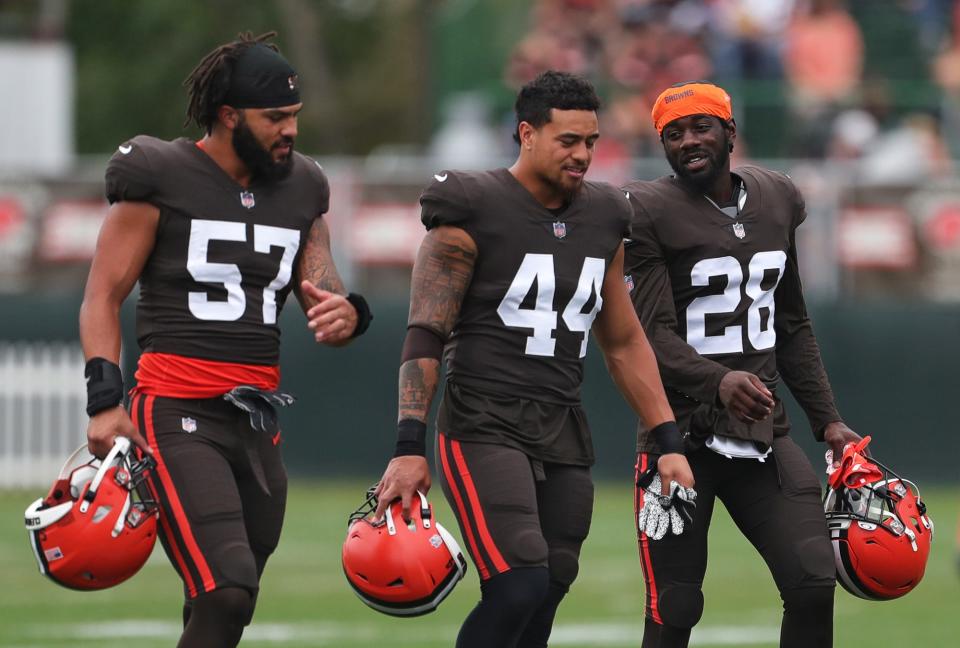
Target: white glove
(828, 456)
(662, 513)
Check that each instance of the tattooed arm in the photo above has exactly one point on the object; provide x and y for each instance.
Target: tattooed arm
(320, 290)
(441, 276)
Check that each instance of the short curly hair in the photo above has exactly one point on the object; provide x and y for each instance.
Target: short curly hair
(552, 89)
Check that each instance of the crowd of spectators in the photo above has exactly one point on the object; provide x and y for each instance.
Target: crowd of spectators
(809, 78)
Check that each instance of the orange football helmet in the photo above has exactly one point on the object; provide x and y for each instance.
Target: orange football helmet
(97, 526)
(398, 568)
(879, 527)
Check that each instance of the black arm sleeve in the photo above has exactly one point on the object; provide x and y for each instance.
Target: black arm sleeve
(798, 354)
(421, 342)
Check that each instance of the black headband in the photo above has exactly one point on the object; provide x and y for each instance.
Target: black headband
(261, 78)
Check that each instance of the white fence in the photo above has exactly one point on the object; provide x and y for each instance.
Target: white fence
(42, 410)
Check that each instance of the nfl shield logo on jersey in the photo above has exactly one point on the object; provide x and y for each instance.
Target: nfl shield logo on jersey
(247, 199)
(188, 424)
(739, 231)
(560, 230)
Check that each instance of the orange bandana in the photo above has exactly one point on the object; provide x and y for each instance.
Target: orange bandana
(690, 99)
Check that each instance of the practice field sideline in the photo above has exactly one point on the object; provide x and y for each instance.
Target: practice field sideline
(305, 600)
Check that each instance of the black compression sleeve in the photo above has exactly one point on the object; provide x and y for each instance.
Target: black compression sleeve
(421, 342)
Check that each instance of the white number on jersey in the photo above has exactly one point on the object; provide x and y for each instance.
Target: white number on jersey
(228, 275)
(542, 318)
(731, 339)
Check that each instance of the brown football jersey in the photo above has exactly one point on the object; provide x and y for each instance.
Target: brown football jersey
(224, 256)
(717, 292)
(525, 318)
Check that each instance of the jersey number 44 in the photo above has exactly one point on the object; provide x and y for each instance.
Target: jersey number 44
(542, 318)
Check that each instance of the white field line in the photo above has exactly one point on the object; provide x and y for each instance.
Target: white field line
(339, 634)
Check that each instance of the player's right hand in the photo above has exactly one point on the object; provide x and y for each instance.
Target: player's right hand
(105, 426)
(745, 396)
(673, 467)
(401, 480)
(671, 511)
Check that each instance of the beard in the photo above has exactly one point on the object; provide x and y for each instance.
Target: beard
(258, 159)
(567, 190)
(705, 179)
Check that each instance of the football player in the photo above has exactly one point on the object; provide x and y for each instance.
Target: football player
(713, 260)
(517, 267)
(218, 232)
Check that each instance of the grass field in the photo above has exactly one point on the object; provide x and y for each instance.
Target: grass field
(305, 600)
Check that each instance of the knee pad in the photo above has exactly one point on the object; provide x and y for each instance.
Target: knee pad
(680, 606)
(816, 563)
(518, 590)
(808, 600)
(528, 549)
(230, 605)
(238, 566)
(564, 566)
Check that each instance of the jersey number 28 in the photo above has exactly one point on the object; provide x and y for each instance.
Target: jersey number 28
(731, 340)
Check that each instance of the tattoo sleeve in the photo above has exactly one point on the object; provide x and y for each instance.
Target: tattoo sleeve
(440, 279)
(418, 384)
(441, 275)
(316, 263)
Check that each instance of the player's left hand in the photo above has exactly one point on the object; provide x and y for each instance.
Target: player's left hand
(837, 435)
(332, 318)
(662, 513)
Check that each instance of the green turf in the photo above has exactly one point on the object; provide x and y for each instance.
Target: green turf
(305, 600)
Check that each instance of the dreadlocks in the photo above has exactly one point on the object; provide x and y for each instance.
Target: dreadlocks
(209, 82)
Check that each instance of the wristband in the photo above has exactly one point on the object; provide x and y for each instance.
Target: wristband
(364, 316)
(411, 438)
(668, 437)
(104, 385)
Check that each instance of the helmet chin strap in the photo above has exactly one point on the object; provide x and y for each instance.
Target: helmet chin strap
(391, 527)
(425, 514)
(121, 445)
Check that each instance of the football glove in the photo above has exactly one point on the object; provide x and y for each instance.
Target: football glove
(662, 513)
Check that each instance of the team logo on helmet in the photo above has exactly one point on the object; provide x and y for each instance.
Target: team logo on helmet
(878, 525)
(397, 568)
